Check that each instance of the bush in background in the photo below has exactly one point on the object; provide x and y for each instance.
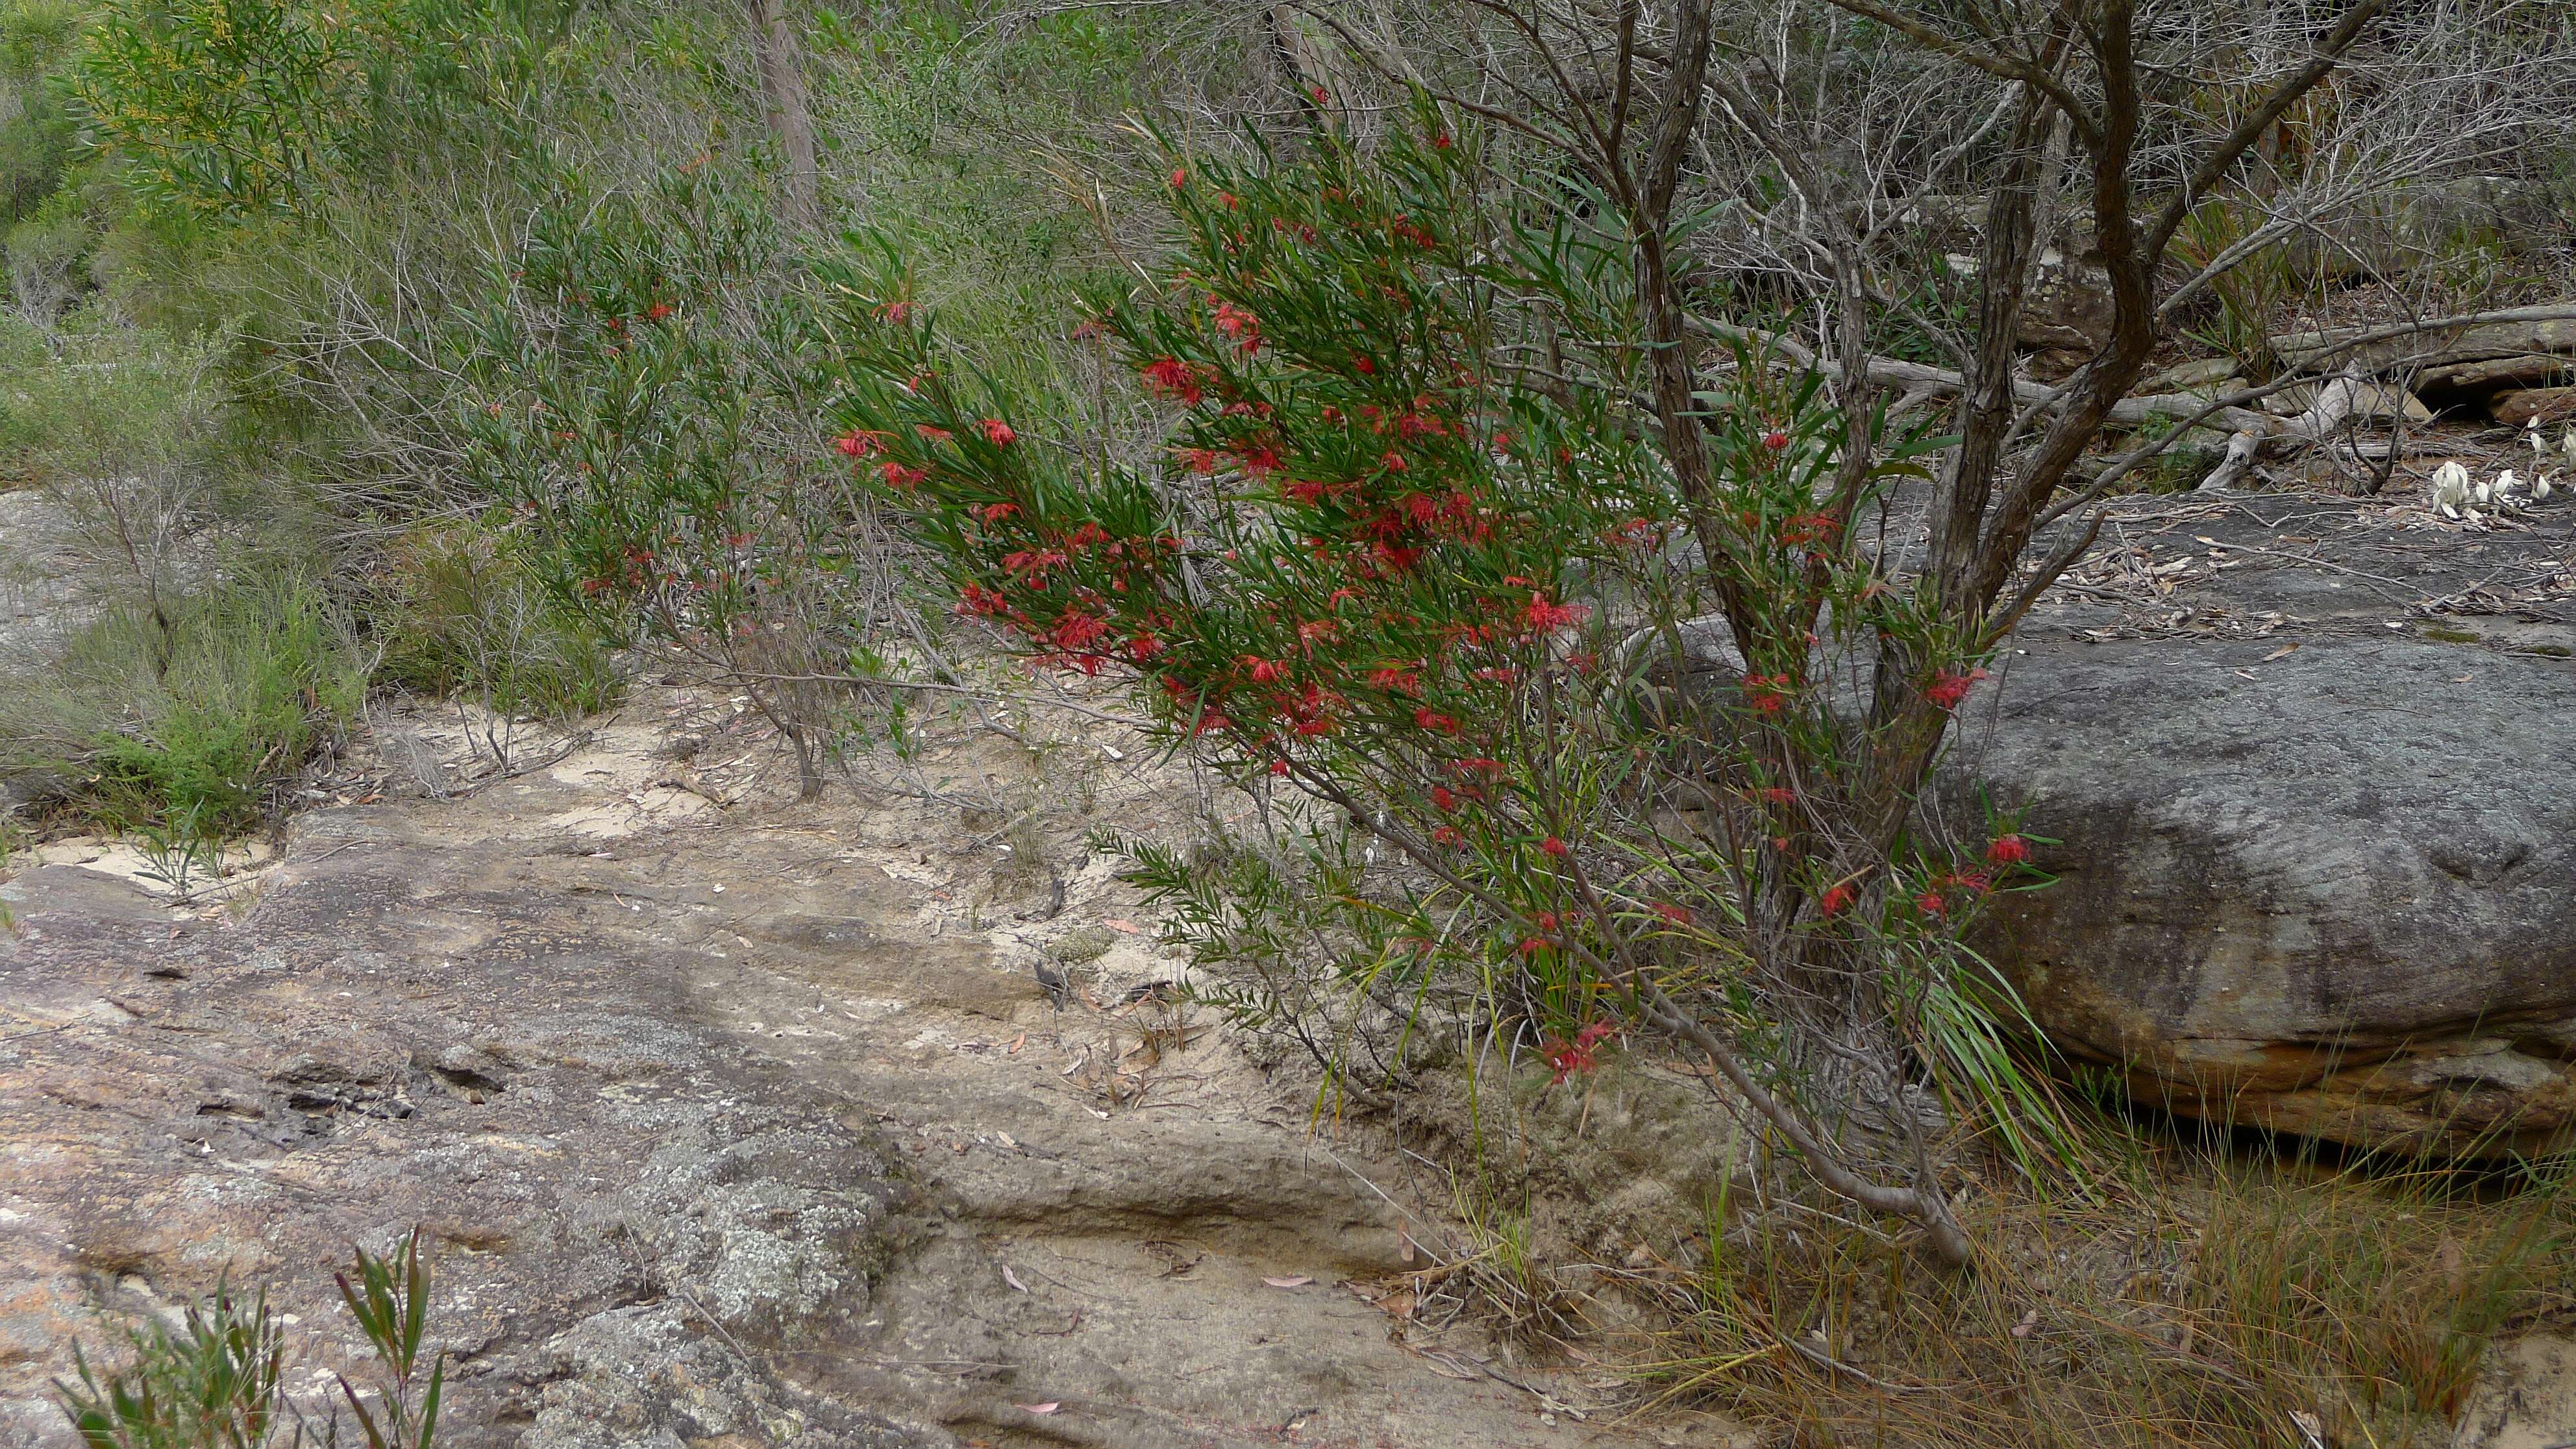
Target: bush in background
(195, 712)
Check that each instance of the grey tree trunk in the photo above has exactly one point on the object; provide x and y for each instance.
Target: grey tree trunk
(782, 84)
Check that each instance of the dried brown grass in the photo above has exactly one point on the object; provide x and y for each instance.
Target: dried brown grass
(2184, 1293)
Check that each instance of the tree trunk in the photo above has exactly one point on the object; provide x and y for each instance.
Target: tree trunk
(782, 84)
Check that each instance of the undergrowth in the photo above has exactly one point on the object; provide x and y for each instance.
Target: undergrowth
(2196, 1293)
(466, 614)
(195, 710)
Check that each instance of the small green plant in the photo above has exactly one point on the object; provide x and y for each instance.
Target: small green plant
(468, 614)
(391, 1303)
(2246, 298)
(212, 1381)
(197, 709)
(180, 852)
(209, 1384)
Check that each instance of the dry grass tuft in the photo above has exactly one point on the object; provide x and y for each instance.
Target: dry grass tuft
(2192, 1294)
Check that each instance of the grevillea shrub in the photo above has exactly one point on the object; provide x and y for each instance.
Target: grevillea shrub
(633, 394)
(1409, 549)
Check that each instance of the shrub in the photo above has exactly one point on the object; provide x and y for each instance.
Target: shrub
(1411, 554)
(195, 712)
(639, 390)
(214, 1382)
(468, 612)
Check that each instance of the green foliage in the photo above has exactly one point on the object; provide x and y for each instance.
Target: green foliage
(470, 613)
(211, 1384)
(36, 144)
(1407, 550)
(2245, 301)
(108, 412)
(390, 1300)
(624, 385)
(214, 1381)
(225, 106)
(194, 711)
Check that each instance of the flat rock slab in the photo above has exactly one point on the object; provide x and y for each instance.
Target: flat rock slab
(732, 1128)
(408, 1030)
(2309, 771)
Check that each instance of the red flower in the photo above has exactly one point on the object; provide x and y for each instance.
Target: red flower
(900, 477)
(897, 313)
(1775, 440)
(1807, 528)
(1950, 686)
(1240, 325)
(1834, 899)
(1930, 903)
(1363, 366)
(1425, 718)
(658, 311)
(1263, 671)
(1180, 178)
(998, 433)
(1201, 461)
(1553, 846)
(2008, 850)
(1441, 797)
(1440, 141)
(996, 512)
(1542, 616)
(930, 433)
(859, 443)
(1578, 1055)
(1446, 836)
(1143, 647)
(1279, 767)
(1672, 913)
(1171, 377)
(1766, 693)
(1075, 629)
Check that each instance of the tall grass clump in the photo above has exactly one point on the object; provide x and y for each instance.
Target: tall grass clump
(2196, 1293)
(467, 614)
(196, 709)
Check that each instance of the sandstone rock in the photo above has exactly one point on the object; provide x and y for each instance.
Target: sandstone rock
(2544, 404)
(2477, 379)
(2536, 338)
(2330, 890)
(2369, 402)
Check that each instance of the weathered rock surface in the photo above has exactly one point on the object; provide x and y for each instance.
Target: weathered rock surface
(2533, 338)
(731, 1128)
(2536, 404)
(2316, 814)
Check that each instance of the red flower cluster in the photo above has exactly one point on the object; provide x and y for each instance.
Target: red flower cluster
(1766, 694)
(1170, 377)
(1566, 1058)
(2008, 850)
(1542, 617)
(1950, 686)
